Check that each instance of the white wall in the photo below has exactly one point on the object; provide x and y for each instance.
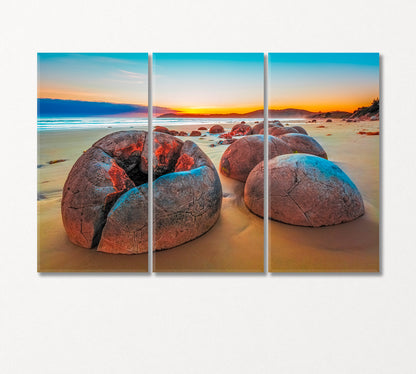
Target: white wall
(206, 324)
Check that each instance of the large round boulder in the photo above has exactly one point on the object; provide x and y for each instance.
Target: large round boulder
(304, 190)
(98, 178)
(300, 130)
(162, 129)
(279, 131)
(241, 129)
(243, 155)
(259, 128)
(105, 197)
(216, 129)
(300, 143)
(195, 133)
(187, 203)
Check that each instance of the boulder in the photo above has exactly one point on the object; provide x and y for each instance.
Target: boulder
(202, 128)
(95, 182)
(278, 131)
(300, 143)
(166, 149)
(226, 135)
(244, 154)
(259, 129)
(182, 133)
(187, 203)
(216, 129)
(195, 133)
(241, 129)
(105, 197)
(305, 190)
(300, 130)
(162, 129)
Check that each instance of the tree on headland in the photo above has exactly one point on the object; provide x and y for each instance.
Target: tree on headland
(368, 111)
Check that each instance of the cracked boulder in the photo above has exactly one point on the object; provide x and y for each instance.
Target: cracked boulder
(305, 190)
(105, 197)
(187, 203)
(93, 185)
(300, 143)
(244, 154)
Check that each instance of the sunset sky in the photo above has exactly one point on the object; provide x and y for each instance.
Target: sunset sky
(323, 81)
(104, 77)
(208, 82)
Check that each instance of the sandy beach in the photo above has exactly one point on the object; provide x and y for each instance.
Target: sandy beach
(235, 243)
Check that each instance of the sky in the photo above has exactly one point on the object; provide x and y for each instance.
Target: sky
(323, 81)
(101, 77)
(208, 83)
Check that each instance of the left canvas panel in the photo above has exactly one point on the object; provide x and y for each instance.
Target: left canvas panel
(92, 132)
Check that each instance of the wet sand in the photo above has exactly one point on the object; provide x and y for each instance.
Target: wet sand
(235, 243)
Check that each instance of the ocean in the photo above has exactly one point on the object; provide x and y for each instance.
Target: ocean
(142, 123)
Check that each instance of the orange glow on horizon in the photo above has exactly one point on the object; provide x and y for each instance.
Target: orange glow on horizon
(217, 110)
(84, 96)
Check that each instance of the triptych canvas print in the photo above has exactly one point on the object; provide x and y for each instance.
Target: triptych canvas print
(193, 178)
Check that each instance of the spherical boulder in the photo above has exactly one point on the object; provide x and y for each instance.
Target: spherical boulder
(259, 129)
(202, 128)
(216, 129)
(182, 133)
(278, 131)
(305, 190)
(195, 133)
(187, 203)
(105, 197)
(300, 130)
(98, 178)
(300, 143)
(241, 129)
(244, 154)
(162, 129)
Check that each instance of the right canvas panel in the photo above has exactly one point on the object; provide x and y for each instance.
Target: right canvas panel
(324, 192)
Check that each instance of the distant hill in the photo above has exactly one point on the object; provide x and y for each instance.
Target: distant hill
(273, 113)
(79, 108)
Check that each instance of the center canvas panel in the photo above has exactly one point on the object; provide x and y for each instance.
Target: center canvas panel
(207, 119)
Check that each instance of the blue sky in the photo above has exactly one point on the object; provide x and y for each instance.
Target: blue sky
(323, 81)
(109, 77)
(208, 82)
